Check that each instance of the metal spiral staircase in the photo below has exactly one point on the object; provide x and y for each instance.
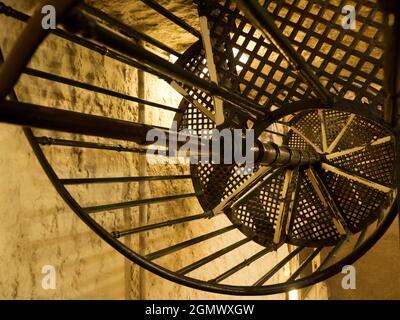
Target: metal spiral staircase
(323, 101)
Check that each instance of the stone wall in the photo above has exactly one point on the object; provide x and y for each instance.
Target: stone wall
(37, 228)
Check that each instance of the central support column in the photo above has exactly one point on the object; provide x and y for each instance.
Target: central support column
(270, 154)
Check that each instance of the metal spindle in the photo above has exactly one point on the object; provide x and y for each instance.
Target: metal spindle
(305, 264)
(240, 266)
(278, 266)
(276, 133)
(122, 179)
(185, 244)
(205, 260)
(135, 203)
(49, 141)
(80, 23)
(86, 86)
(30, 115)
(169, 15)
(127, 30)
(169, 223)
(11, 12)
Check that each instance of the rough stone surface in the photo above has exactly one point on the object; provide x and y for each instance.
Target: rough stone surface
(143, 18)
(37, 228)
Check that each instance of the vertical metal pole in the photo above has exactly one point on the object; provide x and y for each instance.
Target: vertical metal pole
(143, 185)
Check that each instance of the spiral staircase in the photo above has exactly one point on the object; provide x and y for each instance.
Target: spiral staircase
(323, 103)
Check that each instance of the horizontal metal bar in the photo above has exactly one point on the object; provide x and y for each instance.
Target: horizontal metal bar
(305, 264)
(122, 179)
(11, 12)
(127, 30)
(276, 133)
(80, 23)
(169, 223)
(277, 267)
(169, 15)
(205, 260)
(240, 266)
(182, 245)
(86, 86)
(31, 115)
(48, 141)
(135, 203)
(27, 43)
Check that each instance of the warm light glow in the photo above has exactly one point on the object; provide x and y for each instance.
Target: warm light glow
(294, 295)
(244, 58)
(204, 73)
(173, 58)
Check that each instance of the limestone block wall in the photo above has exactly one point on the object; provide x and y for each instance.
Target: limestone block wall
(36, 226)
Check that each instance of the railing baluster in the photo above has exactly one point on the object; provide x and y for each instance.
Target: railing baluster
(275, 133)
(240, 266)
(169, 15)
(305, 264)
(48, 141)
(151, 63)
(135, 203)
(11, 12)
(86, 86)
(169, 223)
(122, 179)
(30, 115)
(182, 245)
(202, 262)
(80, 23)
(277, 267)
(127, 30)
